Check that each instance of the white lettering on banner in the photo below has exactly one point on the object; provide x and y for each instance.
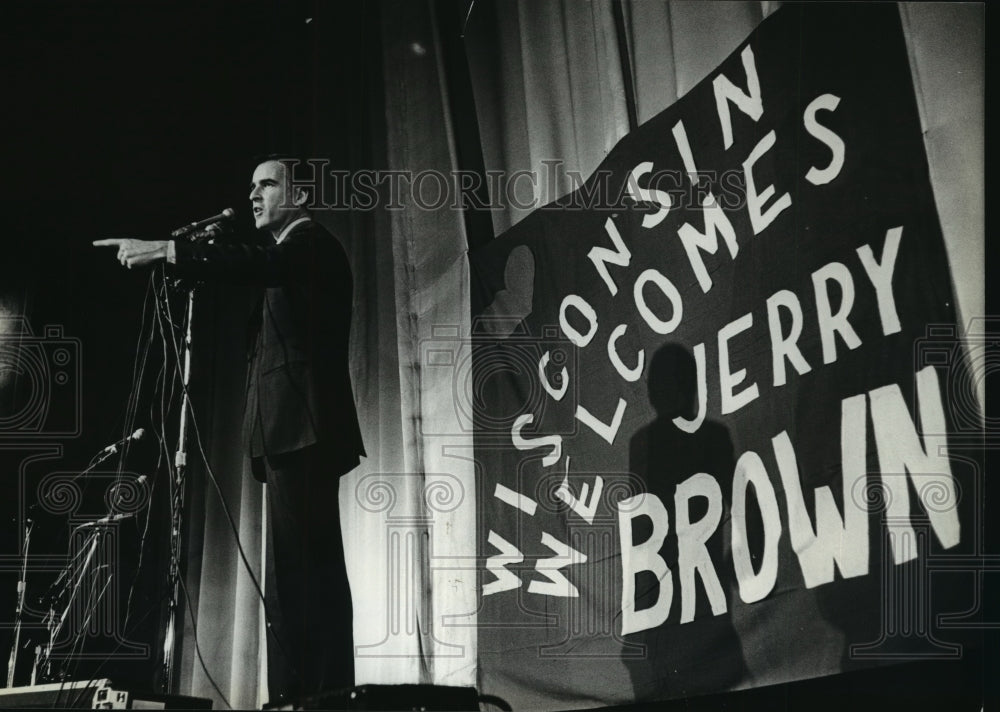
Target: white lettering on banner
(754, 586)
(900, 453)
(728, 380)
(881, 277)
(834, 542)
(608, 431)
(760, 217)
(822, 176)
(497, 564)
(844, 541)
(830, 322)
(645, 556)
(556, 393)
(684, 148)
(522, 443)
(692, 540)
(691, 426)
(784, 338)
(669, 290)
(588, 313)
(643, 195)
(585, 508)
(556, 584)
(750, 102)
(629, 374)
(716, 223)
(515, 499)
(785, 346)
(620, 256)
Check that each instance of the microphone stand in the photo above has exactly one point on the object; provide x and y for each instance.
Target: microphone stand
(22, 585)
(54, 627)
(177, 506)
(21, 588)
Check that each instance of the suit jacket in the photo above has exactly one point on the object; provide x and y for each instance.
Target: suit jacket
(298, 384)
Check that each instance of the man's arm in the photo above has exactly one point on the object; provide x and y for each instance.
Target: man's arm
(295, 259)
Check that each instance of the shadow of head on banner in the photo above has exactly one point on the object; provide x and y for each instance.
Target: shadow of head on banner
(664, 456)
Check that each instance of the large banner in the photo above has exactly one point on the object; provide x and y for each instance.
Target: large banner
(716, 441)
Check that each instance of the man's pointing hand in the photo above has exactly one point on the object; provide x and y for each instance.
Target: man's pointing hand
(136, 253)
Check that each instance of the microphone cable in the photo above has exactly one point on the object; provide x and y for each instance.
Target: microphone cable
(164, 313)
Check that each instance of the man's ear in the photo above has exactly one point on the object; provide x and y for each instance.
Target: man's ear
(300, 196)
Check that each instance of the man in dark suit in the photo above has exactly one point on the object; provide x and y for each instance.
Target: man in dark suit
(300, 426)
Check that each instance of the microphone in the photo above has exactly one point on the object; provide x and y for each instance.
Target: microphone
(111, 449)
(139, 481)
(226, 214)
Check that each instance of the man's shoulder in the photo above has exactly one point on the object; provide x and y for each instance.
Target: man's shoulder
(310, 229)
(319, 240)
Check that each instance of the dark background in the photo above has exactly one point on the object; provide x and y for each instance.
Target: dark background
(128, 120)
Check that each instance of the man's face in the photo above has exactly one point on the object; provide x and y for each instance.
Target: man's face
(272, 203)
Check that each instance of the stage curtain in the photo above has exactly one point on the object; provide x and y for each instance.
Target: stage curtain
(436, 503)
(946, 42)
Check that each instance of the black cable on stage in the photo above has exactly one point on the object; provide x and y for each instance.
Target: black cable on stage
(211, 473)
(138, 377)
(225, 506)
(138, 374)
(138, 369)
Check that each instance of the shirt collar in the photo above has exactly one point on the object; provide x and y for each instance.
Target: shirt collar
(288, 228)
